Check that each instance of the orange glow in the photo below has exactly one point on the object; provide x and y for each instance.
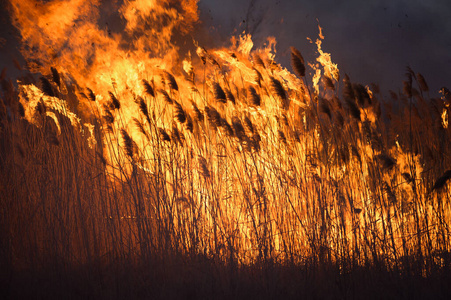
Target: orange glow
(234, 143)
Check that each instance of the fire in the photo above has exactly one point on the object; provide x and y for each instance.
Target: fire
(230, 139)
(324, 59)
(31, 98)
(66, 34)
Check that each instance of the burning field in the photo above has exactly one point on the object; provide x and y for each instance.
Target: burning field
(137, 162)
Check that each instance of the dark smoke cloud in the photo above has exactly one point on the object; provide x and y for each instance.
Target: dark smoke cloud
(372, 41)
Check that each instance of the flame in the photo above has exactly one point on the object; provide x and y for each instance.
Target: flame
(325, 61)
(324, 58)
(444, 116)
(66, 34)
(232, 114)
(30, 97)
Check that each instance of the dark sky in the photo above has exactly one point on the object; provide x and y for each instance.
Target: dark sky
(371, 40)
(8, 42)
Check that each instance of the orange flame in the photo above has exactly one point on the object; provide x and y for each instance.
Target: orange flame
(245, 103)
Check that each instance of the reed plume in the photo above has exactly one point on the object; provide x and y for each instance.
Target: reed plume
(219, 93)
(170, 80)
(197, 113)
(253, 96)
(226, 127)
(353, 108)
(230, 96)
(362, 95)
(348, 91)
(166, 96)
(297, 62)
(180, 114)
(176, 135)
(441, 181)
(56, 76)
(128, 143)
(214, 118)
(238, 129)
(422, 83)
(280, 92)
(203, 167)
(258, 61)
(189, 123)
(148, 88)
(325, 107)
(108, 117)
(47, 88)
(115, 104)
(328, 83)
(143, 108)
(250, 127)
(91, 95)
(164, 135)
(140, 127)
(407, 88)
(387, 161)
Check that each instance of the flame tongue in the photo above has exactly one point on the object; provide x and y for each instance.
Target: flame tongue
(251, 131)
(72, 37)
(68, 35)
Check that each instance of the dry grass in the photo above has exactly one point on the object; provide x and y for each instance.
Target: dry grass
(274, 192)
